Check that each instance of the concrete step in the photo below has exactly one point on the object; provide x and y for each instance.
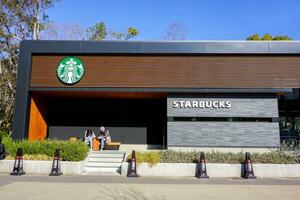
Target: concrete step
(103, 164)
(102, 170)
(106, 155)
(102, 173)
(108, 152)
(106, 162)
(101, 159)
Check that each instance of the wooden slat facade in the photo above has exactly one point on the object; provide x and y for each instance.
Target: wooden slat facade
(219, 71)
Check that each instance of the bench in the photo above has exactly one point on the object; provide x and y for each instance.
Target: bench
(109, 146)
(112, 146)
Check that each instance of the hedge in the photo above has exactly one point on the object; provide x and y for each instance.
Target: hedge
(168, 156)
(69, 150)
(275, 157)
(3, 134)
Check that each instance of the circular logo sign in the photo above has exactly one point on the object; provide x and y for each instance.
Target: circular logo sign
(70, 70)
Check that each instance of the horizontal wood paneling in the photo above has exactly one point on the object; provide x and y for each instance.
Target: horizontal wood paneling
(175, 71)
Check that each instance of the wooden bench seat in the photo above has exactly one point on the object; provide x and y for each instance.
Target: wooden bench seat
(112, 146)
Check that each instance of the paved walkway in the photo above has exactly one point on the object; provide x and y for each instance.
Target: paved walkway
(120, 188)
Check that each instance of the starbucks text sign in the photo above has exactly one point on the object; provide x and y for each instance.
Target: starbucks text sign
(201, 104)
(222, 107)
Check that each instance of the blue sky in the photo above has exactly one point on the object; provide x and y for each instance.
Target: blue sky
(204, 19)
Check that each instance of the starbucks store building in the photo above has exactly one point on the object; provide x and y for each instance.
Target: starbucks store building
(185, 94)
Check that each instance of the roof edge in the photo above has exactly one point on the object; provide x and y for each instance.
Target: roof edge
(161, 47)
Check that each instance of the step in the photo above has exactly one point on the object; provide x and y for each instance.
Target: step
(102, 173)
(106, 162)
(107, 152)
(106, 173)
(102, 170)
(106, 155)
(101, 159)
(103, 164)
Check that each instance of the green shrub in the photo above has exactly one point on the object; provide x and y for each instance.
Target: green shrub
(151, 158)
(69, 150)
(178, 157)
(3, 134)
(31, 157)
(222, 157)
(275, 157)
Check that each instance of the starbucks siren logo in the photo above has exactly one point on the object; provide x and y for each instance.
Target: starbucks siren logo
(70, 70)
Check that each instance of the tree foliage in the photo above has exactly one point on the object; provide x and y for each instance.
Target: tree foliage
(54, 31)
(254, 37)
(19, 20)
(99, 32)
(27, 20)
(282, 37)
(268, 37)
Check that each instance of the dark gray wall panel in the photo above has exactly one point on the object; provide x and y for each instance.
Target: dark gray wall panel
(125, 135)
(22, 99)
(144, 47)
(285, 47)
(223, 134)
(240, 107)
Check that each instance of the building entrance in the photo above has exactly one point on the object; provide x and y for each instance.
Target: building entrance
(131, 118)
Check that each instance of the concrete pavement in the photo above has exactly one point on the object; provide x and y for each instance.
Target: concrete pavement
(117, 187)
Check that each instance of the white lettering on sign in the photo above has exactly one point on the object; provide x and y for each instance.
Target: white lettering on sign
(201, 104)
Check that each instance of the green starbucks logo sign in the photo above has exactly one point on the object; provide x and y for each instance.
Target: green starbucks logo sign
(70, 70)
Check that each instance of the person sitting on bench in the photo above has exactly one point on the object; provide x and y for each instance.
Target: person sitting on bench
(88, 137)
(104, 137)
(107, 136)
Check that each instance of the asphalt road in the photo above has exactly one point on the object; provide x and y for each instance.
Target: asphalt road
(143, 188)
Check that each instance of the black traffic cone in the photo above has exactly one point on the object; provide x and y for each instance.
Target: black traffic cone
(202, 167)
(132, 166)
(18, 165)
(248, 172)
(56, 171)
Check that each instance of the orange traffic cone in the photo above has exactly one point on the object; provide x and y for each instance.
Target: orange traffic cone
(56, 171)
(248, 173)
(18, 165)
(132, 166)
(202, 167)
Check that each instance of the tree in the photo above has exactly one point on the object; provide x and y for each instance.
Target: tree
(254, 37)
(282, 37)
(99, 32)
(131, 33)
(54, 31)
(27, 20)
(19, 20)
(268, 37)
(176, 31)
